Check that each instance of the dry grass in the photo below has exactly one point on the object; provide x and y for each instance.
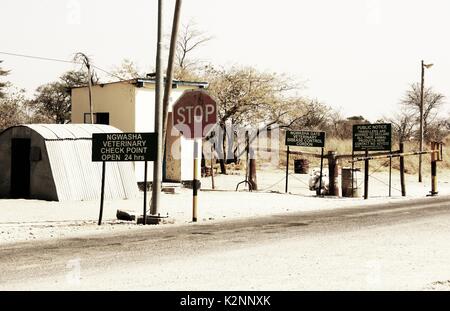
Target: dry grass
(382, 165)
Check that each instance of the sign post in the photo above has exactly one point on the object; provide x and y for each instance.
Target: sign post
(122, 147)
(102, 195)
(195, 183)
(194, 115)
(305, 139)
(371, 137)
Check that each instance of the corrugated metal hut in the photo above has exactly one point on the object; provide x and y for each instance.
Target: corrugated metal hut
(53, 162)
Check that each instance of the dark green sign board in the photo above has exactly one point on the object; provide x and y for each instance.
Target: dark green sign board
(305, 139)
(372, 137)
(119, 147)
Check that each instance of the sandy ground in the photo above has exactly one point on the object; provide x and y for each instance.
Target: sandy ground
(27, 220)
(378, 248)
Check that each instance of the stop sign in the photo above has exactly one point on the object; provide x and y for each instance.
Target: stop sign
(194, 113)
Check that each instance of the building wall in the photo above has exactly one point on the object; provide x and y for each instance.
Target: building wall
(117, 98)
(42, 185)
(131, 109)
(179, 151)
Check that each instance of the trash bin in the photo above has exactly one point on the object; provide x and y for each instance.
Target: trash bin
(301, 166)
(347, 182)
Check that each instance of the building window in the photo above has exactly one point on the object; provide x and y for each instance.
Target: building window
(99, 118)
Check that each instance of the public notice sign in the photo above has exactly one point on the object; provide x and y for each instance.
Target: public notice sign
(305, 139)
(372, 137)
(118, 147)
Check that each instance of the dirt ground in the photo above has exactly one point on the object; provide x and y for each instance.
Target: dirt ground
(27, 220)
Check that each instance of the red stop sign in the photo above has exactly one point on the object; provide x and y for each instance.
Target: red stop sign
(194, 113)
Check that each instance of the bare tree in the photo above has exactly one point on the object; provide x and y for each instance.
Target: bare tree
(190, 38)
(403, 124)
(12, 109)
(3, 84)
(432, 101)
(127, 70)
(248, 97)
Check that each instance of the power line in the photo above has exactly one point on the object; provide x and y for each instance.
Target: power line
(109, 73)
(61, 61)
(40, 58)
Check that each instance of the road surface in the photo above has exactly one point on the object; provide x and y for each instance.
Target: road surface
(402, 246)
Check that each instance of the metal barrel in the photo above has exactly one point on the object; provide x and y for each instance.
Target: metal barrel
(301, 166)
(346, 182)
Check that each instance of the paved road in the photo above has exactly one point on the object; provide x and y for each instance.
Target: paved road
(397, 246)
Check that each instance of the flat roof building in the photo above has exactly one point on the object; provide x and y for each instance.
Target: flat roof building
(130, 106)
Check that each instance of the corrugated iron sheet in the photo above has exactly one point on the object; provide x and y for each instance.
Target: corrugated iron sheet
(76, 177)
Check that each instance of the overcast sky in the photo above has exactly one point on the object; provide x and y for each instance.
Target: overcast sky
(359, 55)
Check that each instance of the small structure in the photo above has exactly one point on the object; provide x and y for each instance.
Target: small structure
(130, 106)
(53, 162)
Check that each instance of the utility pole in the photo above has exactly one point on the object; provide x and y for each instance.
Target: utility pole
(87, 63)
(421, 121)
(157, 164)
(422, 87)
(169, 75)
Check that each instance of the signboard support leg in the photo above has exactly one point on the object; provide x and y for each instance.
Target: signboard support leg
(144, 214)
(102, 193)
(212, 166)
(321, 172)
(353, 173)
(390, 174)
(366, 176)
(287, 169)
(402, 171)
(434, 156)
(195, 183)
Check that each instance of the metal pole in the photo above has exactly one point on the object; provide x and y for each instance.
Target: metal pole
(321, 169)
(102, 195)
(421, 120)
(287, 169)
(157, 164)
(366, 177)
(434, 157)
(212, 166)
(353, 173)
(91, 105)
(169, 75)
(144, 214)
(402, 170)
(195, 183)
(390, 175)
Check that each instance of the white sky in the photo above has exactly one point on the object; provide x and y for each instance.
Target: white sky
(359, 55)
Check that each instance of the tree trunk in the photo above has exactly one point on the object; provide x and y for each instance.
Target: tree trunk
(223, 168)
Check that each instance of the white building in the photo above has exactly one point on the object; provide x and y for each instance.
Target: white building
(130, 106)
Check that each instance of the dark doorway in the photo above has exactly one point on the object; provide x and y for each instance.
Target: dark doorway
(20, 168)
(102, 118)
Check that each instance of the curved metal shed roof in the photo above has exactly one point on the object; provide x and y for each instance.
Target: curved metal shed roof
(76, 177)
(70, 131)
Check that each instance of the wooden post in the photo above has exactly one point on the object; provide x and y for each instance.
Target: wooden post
(333, 173)
(102, 194)
(321, 171)
(144, 214)
(402, 170)
(366, 176)
(252, 171)
(287, 170)
(252, 175)
(434, 157)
